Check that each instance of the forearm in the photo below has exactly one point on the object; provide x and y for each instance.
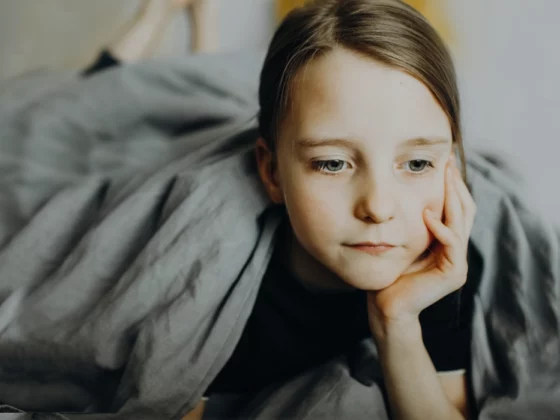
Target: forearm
(413, 386)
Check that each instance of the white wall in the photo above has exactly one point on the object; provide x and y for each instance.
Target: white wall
(246, 24)
(509, 62)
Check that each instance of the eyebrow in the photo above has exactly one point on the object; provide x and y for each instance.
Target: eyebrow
(426, 141)
(309, 143)
(414, 142)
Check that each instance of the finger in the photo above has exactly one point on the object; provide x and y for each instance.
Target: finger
(452, 207)
(453, 255)
(415, 292)
(443, 233)
(467, 202)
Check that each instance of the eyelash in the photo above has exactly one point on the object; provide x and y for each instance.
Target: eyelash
(320, 166)
(429, 164)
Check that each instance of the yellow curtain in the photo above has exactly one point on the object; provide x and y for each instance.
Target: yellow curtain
(431, 9)
(283, 7)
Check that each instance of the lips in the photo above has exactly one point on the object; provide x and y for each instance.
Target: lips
(374, 244)
(373, 248)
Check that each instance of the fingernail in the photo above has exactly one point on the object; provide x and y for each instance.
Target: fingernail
(430, 214)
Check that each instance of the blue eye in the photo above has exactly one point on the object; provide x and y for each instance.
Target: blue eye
(418, 165)
(329, 166)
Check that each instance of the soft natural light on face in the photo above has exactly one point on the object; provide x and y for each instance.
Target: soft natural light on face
(360, 156)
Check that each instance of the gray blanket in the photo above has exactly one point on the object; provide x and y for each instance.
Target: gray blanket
(134, 234)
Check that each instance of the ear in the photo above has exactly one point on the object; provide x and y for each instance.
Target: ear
(268, 171)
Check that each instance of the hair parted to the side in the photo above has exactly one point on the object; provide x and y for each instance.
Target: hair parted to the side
(389, 31)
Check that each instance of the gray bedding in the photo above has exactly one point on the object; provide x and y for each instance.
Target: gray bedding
(134, 234)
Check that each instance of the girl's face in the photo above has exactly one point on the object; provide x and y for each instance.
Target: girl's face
(361, 153)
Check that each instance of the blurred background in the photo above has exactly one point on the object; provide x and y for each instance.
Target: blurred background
(507, 54)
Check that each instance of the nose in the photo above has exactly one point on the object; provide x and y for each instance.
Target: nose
(376, 202)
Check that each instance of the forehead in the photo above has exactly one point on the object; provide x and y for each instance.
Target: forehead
(344, 94)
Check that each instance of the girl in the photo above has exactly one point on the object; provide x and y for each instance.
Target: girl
(359, 128)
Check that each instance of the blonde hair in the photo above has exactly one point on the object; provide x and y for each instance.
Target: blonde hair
(388, 31)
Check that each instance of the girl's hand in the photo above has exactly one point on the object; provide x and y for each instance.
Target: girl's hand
(445, 270)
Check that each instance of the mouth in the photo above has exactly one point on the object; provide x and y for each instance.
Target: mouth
(372, 248)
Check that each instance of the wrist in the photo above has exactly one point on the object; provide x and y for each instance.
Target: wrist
(404, 331)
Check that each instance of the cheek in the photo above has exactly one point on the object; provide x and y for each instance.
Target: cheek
(312, 210)
(315, 209)
(430, 197)
(435, 198)
(435, 204)
(313, 201)
(306, 197)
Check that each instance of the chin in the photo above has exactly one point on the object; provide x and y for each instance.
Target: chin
(372, 280)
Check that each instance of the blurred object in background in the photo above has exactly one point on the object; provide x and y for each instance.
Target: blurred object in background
(204, 21)
(142, 39)
(144, 35)
(68, 34)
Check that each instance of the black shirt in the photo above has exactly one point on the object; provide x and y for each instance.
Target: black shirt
(292, 329)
